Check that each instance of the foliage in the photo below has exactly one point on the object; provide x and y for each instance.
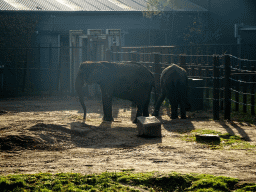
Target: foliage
(197, 32)
(121, 181)
(156, 7)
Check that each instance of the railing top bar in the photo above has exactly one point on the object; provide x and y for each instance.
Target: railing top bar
(196, 45)
(143, 47)
(232, 56)
(43, 47)
(188, 55)
(249, 73)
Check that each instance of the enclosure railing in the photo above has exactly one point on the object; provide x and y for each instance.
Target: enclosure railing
(243, 80)
(226, 77)
(229, 81)
(33, 70)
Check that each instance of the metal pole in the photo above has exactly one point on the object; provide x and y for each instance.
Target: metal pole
(227, 88)
(216, 87)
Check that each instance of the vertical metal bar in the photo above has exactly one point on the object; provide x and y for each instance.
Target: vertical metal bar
(245, 79)
(253, 80)
(207, 94)
(245, 93)
(227, 88)
(216, 87)
(108, 56)
(134, 56)
(157, 72)
(183, 62)
(221, 90)
(237, 94)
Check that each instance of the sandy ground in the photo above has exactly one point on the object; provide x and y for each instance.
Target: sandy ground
(47, 135)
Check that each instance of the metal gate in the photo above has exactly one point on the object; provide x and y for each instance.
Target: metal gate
(90, 47)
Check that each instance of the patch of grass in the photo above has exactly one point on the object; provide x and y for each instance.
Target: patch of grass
(227, 141)
(121, 181)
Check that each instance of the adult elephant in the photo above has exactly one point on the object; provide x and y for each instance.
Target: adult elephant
(123, 80)
(174, 86)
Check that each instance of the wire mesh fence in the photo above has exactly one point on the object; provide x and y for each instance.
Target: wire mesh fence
(228, 80)
(34, 71)
(50, 70)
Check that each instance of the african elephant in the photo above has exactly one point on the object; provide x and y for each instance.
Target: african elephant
(127, 81)
(174, 85)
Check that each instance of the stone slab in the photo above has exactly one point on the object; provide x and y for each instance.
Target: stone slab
(149, 126)
(208, 137)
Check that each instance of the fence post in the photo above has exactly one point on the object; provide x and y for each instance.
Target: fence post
(244, 93)
(108, 55)
(207, 94)
(253, 80)
(237, 84)
(227, 88)
(221, 86)
(183, 62)
(134, 56)
(216, 87)
(157, 73)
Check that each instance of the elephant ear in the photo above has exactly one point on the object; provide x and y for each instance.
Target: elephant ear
(98, 73)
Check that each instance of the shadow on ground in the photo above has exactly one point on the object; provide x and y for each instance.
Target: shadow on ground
(230, 125)
(108, 134)
(177, 125)
(58, 137)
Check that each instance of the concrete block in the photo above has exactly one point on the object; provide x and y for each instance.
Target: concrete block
(208, 138)
(149, 126)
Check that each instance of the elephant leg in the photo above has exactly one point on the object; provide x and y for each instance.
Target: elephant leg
(183, 110)
(139, 112)
(158, 104)
(107, 107)
(145, 108)
(174, 110)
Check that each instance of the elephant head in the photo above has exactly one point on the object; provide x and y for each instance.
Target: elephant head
(90, 73)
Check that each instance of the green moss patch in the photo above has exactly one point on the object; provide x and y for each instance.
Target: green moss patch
(121, 181)
(227, 141)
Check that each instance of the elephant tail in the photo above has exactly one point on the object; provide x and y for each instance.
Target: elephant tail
(79, 89)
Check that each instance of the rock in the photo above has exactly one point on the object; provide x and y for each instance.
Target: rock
(149, 126)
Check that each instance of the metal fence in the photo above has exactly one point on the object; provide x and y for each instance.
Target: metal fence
(48, 70)
(34, 71)
(226, 78)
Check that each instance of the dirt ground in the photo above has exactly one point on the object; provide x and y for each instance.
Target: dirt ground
(46, 134)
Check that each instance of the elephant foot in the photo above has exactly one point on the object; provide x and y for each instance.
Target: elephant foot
(135, 120)
(108, 119)
(156, 114)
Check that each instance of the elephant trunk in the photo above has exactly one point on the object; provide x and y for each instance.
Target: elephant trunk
(79, 89)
